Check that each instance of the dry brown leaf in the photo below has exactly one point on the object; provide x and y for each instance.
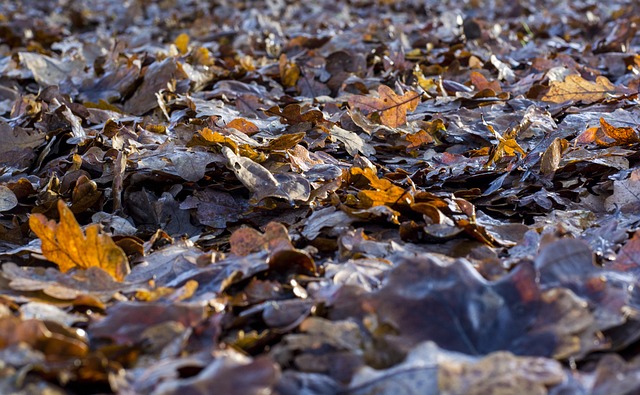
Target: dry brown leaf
(66, 245)
(391, 107)
(552, 155)
(576, 88)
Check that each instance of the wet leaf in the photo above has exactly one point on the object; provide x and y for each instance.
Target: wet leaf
(66, 245)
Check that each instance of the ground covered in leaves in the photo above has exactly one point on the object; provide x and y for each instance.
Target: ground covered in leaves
(289, 197)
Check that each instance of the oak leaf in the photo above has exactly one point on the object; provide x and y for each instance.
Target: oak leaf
(391, 107)
(66, 245)
(576, 88)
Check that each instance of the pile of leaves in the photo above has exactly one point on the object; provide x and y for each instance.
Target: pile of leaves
(319, 197)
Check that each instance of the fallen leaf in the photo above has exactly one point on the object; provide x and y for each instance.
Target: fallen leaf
(353, 143)
(481, 83)
(391, 107)
(551, 157)
(289, 72)
(575, 88)
(292, 114)
(378, 191)
(245, 126)
(616, 135)
(260, 181)
(8, 199)
(182, 43)
(66, 245)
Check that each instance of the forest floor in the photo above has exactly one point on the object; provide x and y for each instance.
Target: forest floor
(322, 197)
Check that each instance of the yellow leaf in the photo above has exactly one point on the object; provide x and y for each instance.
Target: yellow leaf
(576, 88)
(289, 72)
(67, 246)
(507, 146)
(182, 43)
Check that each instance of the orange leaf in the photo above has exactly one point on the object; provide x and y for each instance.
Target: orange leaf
(67, 246)
(481, 83)
(391, 107)
(620, 136)
(244, 126)
(418, 139)
(576, 88)
(380, 190)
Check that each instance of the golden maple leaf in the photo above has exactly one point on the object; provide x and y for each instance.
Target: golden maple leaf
(576, 88)
(66, 245)
(391, 107)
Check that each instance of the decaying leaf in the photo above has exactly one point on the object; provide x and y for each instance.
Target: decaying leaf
(66, 245)
(391, 107)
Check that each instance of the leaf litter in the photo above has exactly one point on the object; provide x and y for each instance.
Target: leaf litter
(339, 197)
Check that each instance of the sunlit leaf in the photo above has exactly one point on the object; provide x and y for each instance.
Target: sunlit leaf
(378, 191)
(391, 107)
(66, 245)
(576, 88)
(617, 135)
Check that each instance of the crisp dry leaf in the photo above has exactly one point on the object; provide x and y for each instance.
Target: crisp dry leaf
(418, 139)
(576, 88)
(551, 157)
(67, 246)
(391, 107)
(619, 135)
